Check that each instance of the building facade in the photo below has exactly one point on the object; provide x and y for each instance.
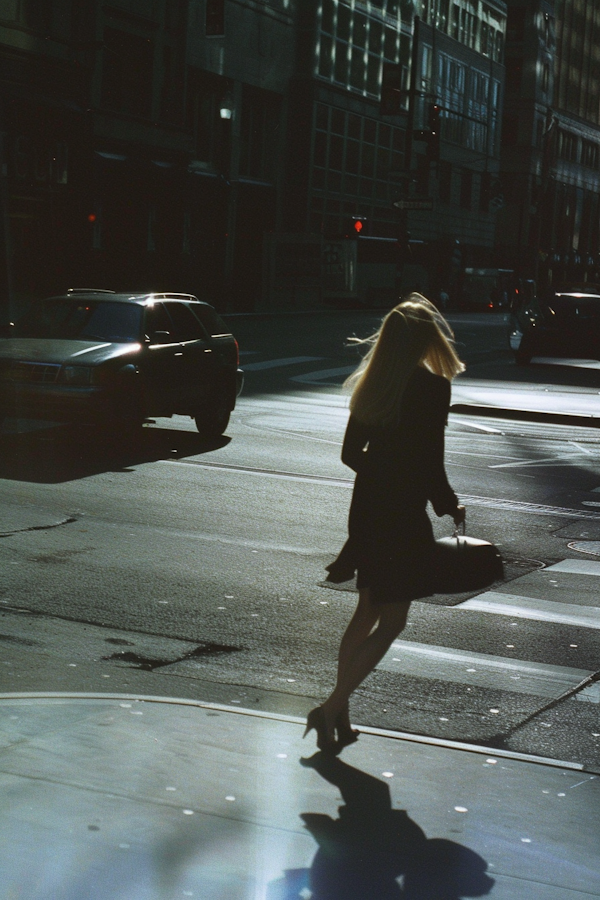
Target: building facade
(369, 77)
(549, 227)
(229, 147)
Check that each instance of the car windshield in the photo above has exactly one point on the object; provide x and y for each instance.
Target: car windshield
(66, 318)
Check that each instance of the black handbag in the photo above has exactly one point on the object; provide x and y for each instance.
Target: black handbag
(462, 563)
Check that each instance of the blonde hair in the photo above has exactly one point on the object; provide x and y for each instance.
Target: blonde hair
(413, 333)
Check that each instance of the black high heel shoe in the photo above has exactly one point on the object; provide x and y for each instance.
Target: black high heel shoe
(316, 720)
(346, 735)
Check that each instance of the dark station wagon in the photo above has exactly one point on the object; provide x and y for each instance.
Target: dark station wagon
(99, 356)
(563, 321)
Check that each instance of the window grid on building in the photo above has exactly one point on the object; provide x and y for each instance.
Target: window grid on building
(354, 42)
(356, 157)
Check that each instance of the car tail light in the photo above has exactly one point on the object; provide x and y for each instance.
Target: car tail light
(237, 352)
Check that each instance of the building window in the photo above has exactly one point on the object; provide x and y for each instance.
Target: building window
(127, 68)
(205, 93)
(466, 190)
(354, 156)
(568, 146)
(171, 100)
(354, 43)
(38, 14)
(215, 18)
(445, 181)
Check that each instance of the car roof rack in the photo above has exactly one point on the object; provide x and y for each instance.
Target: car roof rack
(89, 291)
(175, 296)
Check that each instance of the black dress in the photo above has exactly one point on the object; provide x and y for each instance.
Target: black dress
(391, 542)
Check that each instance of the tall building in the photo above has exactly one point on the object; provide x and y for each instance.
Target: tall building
(260, 153)
(549, 227)
(394, 114)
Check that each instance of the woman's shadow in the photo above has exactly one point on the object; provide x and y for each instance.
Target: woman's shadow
(375, 852)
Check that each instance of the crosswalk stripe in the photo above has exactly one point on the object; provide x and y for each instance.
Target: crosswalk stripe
(278, 363)
(530, 608)
(575, 567)
(482, 670)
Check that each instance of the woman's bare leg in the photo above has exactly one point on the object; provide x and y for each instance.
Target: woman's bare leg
(359, 628)
(358, 657)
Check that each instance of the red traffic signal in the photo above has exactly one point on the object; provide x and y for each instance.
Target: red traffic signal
(357, 224)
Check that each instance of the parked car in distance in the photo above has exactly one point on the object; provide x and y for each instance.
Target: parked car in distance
(101, 357)
(562, 321)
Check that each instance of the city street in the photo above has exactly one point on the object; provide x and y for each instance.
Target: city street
(180, 568)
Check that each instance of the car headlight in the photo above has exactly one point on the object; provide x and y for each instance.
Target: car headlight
(76, 375)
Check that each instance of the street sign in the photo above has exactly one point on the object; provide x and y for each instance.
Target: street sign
(413, 204)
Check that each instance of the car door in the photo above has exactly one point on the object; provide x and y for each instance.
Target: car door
(162, 362)
(198, 371)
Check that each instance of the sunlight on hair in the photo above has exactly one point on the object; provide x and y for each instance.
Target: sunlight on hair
(413, 333)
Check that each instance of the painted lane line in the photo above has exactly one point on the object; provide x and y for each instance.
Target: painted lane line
(538, 509)
(481, 670)
(486, 502)
(575, 567)
(529, 608)
(277, 363)
(323, 376)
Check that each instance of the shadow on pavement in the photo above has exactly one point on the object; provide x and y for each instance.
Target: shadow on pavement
(375, 852)
(57, 454)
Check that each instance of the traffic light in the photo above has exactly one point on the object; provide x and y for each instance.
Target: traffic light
(357, 226)
(433, 142)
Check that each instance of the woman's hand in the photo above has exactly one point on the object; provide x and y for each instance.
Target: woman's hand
(459, 515)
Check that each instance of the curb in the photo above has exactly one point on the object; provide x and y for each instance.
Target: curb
(294, 720)
(525, 415)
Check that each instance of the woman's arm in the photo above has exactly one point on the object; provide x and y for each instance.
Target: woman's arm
(355, 441)
(443, 498)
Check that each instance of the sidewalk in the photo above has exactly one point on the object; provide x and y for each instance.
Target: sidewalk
(109, 796)
(536, 402)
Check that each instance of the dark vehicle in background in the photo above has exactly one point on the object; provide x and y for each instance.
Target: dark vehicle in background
(562, 321)
(100, 357)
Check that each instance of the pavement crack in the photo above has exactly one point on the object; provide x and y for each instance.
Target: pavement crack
(66, 521)
(500, 740)
(149, 664)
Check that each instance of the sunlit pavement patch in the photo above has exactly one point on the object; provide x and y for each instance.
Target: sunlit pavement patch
(481, 670)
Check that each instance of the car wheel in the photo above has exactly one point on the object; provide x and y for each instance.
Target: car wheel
(523, 356)
(213, 419)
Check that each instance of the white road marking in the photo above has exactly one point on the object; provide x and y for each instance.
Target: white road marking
(529, 608)
(279, 363)
(481, 670)
(559, 361)
(590, 694)
(582, 449)
(323, 376)
(575, 566)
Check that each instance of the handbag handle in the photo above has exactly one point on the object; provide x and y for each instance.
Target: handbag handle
(456, 527)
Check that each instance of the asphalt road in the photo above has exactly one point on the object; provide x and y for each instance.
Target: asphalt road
(186, 569)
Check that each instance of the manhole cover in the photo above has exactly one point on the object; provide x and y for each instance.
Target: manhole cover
(592, 547)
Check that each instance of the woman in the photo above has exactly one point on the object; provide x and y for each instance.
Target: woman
(395, 443)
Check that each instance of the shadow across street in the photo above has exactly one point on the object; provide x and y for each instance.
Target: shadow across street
(63, 453)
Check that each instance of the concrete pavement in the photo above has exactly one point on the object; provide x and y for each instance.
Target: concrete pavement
(113, 796)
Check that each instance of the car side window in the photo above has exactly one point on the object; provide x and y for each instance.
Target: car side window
(187, 326)
(159, 328)
(213, 323)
